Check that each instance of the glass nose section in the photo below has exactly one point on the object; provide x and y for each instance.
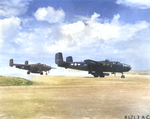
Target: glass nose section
(127, 67)
(130, 67)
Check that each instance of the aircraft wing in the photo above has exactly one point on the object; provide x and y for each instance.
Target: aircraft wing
(92, 62)
(22, 66)
(53, 68)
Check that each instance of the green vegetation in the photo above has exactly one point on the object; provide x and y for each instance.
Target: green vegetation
(14, 81)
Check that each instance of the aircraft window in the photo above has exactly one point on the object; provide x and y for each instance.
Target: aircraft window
(75, 64)
(116, 62)
(125, 65)
(85, 65)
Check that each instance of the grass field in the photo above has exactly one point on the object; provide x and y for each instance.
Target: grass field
(14, 81)
(60, 97)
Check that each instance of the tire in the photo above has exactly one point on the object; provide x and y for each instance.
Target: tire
(95, 75)
(41, 73)
(102, 76)
(122, 76)
(28, 72)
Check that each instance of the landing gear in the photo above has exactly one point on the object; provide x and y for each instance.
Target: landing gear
(41, 73)
(95, 75)
(102, 75)
(114, 74)
(46, 72)
(122, 76)
(28, 72)
(98, 75)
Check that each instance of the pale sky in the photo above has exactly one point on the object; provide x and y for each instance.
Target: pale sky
(35, 30)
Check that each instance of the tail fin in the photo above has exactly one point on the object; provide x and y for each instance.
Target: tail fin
(11, 63)
(26, 63)
(59, 58)
(69, 59)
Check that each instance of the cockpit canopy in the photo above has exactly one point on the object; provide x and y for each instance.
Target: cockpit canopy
(117, 63)
(107, 60)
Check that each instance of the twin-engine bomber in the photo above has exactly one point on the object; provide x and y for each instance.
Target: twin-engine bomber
(96, 68)
(32, 68)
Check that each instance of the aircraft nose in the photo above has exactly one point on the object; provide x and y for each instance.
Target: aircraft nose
(130, 68)
(49, 67)
(126, 67)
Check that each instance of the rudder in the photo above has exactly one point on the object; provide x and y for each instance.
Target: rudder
(26, 63)
(11, 63)
(69, 59)
(59, 58)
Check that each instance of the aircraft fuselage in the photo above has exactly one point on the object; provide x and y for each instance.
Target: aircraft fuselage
(112, 67)
(33, 68)
(96, 68)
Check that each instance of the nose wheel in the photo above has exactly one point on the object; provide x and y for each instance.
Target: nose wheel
(122, 76)
(46, 73)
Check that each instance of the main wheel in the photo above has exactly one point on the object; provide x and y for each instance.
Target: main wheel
(95, 75)
(41, 73)
(28, 72)
(102, 76)
(46, 73)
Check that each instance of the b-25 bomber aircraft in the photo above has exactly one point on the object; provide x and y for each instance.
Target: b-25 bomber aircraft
(32, 68)
(96, 68)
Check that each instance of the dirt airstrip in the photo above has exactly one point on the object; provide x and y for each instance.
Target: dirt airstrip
(60, 97)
